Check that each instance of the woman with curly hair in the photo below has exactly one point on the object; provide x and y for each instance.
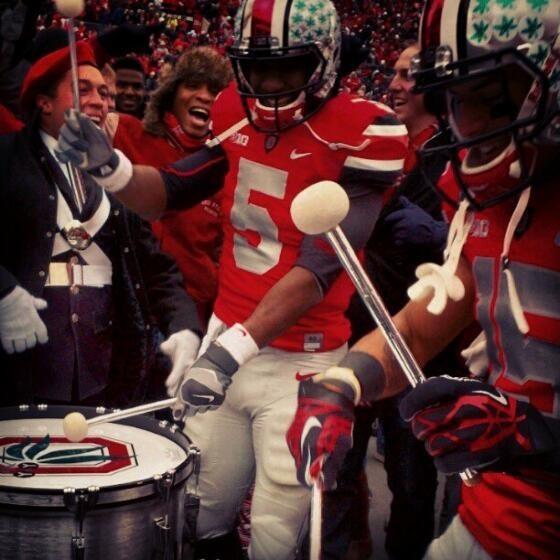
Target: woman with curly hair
(176, 123)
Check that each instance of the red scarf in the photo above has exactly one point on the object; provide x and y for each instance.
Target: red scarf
(177, 135)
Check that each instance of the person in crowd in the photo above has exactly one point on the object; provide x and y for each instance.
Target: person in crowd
(502, 264)
(83, 285)
(177, 123)
(130, 81)
(279, 314)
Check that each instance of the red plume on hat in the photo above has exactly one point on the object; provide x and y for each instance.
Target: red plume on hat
(49, 69)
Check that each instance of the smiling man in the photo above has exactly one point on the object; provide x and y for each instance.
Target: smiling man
(176, 124)
(130, 81)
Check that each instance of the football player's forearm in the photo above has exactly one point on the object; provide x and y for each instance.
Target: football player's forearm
(145, 193)
(425, 334)
(283, 305)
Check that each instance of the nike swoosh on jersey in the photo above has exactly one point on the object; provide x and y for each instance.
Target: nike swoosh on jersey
(295, 155)
(304, 376)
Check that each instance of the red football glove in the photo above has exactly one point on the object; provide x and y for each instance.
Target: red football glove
(321, 432)
(466, 423)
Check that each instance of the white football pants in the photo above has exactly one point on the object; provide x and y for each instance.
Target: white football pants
(245, 439)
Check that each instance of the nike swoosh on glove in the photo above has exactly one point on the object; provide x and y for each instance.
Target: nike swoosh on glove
(320, 435)
(469, 424)
(205, 384)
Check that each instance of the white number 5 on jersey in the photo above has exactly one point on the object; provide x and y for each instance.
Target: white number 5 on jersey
(248, 216)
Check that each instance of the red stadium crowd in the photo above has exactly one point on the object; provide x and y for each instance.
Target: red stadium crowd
(377, 30)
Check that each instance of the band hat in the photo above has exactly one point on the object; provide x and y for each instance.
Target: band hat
(49, 69)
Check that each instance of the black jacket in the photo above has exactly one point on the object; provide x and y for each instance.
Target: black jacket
(147, 287)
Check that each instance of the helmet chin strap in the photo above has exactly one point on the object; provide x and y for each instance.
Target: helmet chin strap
(280, 115)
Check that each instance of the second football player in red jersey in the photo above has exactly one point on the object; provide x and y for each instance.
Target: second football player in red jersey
(498, 88)
(279, 315)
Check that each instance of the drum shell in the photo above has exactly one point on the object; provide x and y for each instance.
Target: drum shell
(112, 532)
(143, 519)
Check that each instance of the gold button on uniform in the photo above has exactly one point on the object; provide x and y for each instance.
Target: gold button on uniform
(75, 318)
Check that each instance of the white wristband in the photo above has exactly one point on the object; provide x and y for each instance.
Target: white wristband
(345, 375)
(120, 177)
(239, 343)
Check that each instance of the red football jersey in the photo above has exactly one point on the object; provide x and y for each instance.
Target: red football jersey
(348, 136)
(510, 516)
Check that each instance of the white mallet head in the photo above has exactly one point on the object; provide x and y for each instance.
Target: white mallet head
(75, 426)
(69, 8)
(320, 207)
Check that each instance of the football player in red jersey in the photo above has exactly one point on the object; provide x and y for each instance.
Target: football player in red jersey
(279, 314)
(496, 64)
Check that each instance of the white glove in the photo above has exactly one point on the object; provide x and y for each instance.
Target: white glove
(20, 325)
(182, 348)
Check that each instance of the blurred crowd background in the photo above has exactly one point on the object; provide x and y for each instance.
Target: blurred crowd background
(374, 30)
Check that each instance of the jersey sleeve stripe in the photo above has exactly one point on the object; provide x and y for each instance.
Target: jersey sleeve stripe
(374, 164)
(386, 130)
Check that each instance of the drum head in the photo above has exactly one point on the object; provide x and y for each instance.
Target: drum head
(35, 454)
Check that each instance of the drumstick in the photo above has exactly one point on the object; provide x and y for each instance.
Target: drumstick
(76, 426)
(319, 209)
(315, 522)
(71, 9)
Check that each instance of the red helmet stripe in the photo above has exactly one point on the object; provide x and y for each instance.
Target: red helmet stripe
(430, 26)
(261, 20)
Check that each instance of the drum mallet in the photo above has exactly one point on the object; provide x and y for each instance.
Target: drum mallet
(76, 426)
(319, 209)
(71, 9)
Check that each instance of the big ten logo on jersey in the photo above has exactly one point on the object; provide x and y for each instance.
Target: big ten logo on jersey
(312, 342)
(480, 228)
(240, 139)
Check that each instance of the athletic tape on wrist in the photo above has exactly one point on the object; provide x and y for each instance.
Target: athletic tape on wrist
(120, 177)
(368, 371)
(344, 374)
(239, 343)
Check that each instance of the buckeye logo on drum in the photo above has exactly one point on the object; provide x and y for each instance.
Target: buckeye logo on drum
(35, 456)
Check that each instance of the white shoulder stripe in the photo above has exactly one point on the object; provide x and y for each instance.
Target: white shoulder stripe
(386, 108)
(386, 130)
(374, 164)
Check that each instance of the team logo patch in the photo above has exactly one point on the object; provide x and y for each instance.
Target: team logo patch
(35, 456)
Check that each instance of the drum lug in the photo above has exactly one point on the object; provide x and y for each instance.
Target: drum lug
(79, 502)
(192, 500)
(164, 485)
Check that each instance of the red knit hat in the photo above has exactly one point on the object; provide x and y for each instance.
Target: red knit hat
(49, 69)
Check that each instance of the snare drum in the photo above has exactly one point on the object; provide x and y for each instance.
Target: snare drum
(118, 494)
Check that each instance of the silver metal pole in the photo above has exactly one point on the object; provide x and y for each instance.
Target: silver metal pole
(76, 184)
(381, 316)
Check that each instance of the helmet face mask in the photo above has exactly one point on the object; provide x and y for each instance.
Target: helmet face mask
(297, 46)
(497, 94)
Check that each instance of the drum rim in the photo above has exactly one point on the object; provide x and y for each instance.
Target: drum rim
(163, 428)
